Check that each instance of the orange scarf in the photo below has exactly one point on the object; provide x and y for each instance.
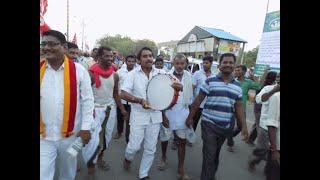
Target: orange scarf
(70, 97)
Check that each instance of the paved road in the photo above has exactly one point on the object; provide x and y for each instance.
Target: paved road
(233, 166)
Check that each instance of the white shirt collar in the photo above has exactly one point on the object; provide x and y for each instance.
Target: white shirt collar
(50, 67)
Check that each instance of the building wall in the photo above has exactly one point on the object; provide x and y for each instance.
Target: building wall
(208, 44)
(191, 47)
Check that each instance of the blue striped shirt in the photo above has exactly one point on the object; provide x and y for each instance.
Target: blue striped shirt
(221, 97)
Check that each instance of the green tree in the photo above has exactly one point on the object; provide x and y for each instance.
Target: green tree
(164, 54)
(148, 43)
(250, 57)
(125, 45)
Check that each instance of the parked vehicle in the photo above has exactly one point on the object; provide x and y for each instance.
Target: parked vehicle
(197, 64)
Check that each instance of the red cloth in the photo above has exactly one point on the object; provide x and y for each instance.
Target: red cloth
(98, 71)
(115, 67)
(43, 26)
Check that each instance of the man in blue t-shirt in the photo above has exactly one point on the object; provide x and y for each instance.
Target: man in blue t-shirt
(221, 109)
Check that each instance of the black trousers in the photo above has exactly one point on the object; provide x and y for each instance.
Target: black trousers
(272, 169)
(196, 118)
(120, 121)
(212, 143)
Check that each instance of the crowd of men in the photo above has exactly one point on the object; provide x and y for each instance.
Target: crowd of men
(83, 96)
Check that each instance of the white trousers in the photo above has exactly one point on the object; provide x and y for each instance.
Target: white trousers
(148, 133)
(101, 114)
(52, 152)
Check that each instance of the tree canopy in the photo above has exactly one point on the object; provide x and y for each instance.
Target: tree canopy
(125, 45)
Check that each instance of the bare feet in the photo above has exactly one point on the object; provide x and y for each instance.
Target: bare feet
(117, 136)
(126, 164)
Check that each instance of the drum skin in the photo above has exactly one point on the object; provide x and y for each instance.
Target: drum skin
(160, 94)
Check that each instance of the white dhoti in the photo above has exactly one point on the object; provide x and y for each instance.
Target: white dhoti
(101, 114)
(150, 135)
(89, 149)
(52, 152)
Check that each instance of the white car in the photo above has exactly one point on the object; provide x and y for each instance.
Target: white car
(197, 64)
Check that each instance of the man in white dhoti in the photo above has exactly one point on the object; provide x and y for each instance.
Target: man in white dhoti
(105, 85)
(178, 114)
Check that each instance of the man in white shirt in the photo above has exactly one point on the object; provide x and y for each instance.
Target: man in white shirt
(178, 114)
(273, 124)
(130, 62)
(75, 54)
(66, 108)
(159, 64)
(144, 122)
(260, 152)
(198, 79)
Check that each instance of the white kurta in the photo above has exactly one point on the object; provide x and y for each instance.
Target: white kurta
(144, 123)
(53, 146)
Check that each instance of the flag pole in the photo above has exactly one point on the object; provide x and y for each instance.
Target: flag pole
(67, 20)
(82, 34)
(267, 7)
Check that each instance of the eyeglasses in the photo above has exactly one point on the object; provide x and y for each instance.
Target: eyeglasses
(50, 44)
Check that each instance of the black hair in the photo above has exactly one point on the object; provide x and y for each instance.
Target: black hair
(94, 49)
(86, 54)
(56, 34)
(72, 45)
(101, 49)
(158, 59)
(243, 67)
(143, 49)
(208, 58)
(130, 56)
(270, 78)
(180, 56)
(227, 55)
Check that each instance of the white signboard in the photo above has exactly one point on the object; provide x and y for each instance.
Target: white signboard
(269, 50)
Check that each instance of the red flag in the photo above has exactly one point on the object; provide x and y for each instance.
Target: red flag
(43, 26)
(43, 6)
(75, 39)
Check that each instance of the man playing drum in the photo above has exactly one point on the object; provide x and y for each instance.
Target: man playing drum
(144, 121)
(178, 114)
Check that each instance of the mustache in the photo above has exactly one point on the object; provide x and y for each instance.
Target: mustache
(47, 51)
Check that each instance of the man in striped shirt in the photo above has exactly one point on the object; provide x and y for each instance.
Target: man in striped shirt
(222, 107)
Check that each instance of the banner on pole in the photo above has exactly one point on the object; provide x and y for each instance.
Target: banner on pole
(269, 49)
